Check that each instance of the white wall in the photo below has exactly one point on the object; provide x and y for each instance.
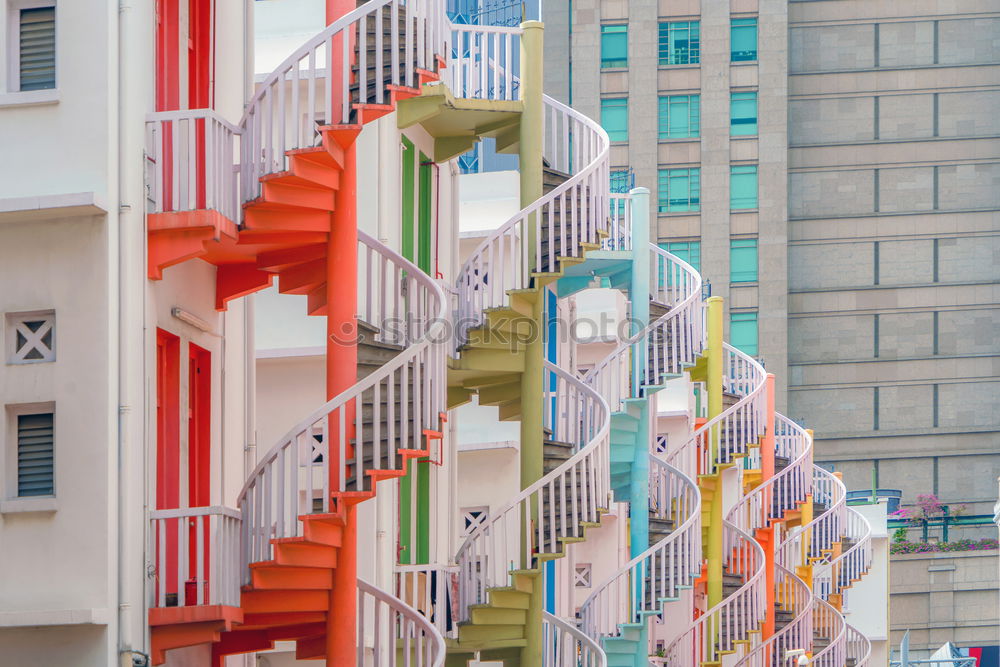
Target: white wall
(56, 561)
(867, 601)
(190, 286)
(605, 549)
(65, 145)
(488, 200)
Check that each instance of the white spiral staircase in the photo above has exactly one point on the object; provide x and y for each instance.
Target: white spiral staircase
(292, 144)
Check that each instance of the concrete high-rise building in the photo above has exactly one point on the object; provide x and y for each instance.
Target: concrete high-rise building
(833, 168)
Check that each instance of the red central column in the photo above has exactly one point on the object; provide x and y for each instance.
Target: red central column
(341, 373)
(767, 472)
(342, 365)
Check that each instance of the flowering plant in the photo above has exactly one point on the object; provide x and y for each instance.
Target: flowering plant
(928, 507)
(984, 544)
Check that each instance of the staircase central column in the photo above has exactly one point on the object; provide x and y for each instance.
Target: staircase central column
(532, 131)
(342, 373)
(713, 551)
(639, 487)
(767, 472)
(342, 368)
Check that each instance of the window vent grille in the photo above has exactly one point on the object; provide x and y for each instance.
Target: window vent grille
(37, 57)
(32, 337)
(35, 449)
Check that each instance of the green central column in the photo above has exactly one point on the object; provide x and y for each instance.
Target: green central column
(530, 154)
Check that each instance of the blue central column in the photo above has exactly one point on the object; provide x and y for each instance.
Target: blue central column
(639, 487)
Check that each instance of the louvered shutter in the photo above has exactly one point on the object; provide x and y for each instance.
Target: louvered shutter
(38, 48)
(35, 463)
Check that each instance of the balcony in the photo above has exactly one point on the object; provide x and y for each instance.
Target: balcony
(196, 577)
(192, 182)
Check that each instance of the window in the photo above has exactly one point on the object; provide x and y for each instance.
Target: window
(581, 575)
(622, 180)
(743, 187)
(742, 114)
(614, 46)
(472, 517)
(743, 332)
(33, 54)
(31, 337)
(679, 116)
(743, 40)
(614, 118)
(743, 260)
(680, 190)
(35, 452)
(689, 251)
(679, 43)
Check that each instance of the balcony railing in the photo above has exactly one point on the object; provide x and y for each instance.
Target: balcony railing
(430, 590)
(191, 162)
(195, 556)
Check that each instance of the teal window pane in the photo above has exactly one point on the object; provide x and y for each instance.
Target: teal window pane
(679, 116)
(743, 332)
(679, 190)
(621, 183)
(743, 40)
(743, 113)
(680, 43)
(689, 251)
(614, 118)
(614, 46)
(743, 260)
(743, 187)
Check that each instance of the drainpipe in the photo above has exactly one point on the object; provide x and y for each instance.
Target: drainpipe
(127, 345)
(386, 136)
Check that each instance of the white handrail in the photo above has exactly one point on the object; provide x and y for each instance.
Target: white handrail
(787, 489)
(563, 645)
(428, 589)
(620, 226)
(730, 620)
(829, 624)
(405, 396)
(306, 91)
(573, 213)
(837, 575)
(391, 632)
(858, 646)
(191, 155)
(730, 434)
(669, 565)
(793, 594)
(482, 60)
(813, 541)
(627, 371)
(546, 512)
(195, 554)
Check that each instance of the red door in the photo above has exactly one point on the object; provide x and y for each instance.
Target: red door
(199, 66)
(168, 452)
(199, 463)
